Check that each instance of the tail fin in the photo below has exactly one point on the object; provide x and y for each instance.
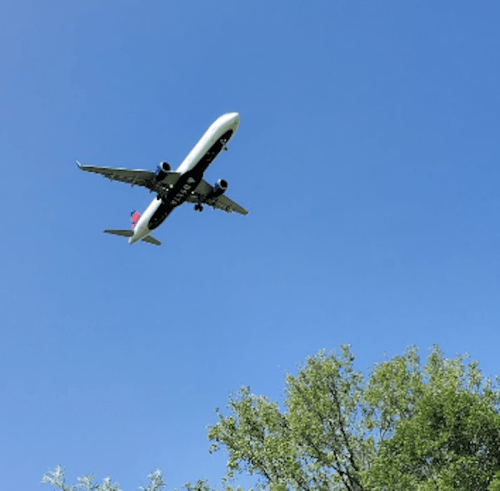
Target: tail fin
(134, 218)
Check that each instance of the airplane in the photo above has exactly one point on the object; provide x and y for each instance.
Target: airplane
(173, 188)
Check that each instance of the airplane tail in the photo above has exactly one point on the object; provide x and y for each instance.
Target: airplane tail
(134, 218)
(130, 233)
(123, 233)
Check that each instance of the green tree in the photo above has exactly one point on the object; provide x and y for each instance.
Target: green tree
(451, 438)
(406, 425)
(57, 479)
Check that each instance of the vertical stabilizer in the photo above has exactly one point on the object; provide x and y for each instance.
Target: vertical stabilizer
(134, 218)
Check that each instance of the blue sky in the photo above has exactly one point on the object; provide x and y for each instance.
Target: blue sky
(367, 155)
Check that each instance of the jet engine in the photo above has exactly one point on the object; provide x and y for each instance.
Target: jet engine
(219, 189)
(161, 171)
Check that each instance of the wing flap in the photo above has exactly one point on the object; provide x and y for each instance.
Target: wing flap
(228, 205)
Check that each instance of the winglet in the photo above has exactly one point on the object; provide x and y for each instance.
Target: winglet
(78, 164)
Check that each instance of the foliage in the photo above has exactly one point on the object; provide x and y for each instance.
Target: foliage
(403, 426)
(406, 426)
(86, 483)
(495, 484)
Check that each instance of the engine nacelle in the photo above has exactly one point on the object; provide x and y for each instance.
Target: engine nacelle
(161, 171)
(219, 189)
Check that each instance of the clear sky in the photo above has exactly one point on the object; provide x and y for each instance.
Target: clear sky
(367, 154)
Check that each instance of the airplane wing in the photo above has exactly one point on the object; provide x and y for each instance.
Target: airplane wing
(134, 177)
(202, 195)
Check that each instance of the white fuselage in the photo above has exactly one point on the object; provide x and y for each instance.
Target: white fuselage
(191, 170)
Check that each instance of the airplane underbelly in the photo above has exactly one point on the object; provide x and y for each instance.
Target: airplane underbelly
(213, 151)
(160, 215)
(175, 197)
(187, 183)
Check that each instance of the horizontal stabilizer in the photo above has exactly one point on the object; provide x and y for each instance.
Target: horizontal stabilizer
(151, 240)
(130, 233)
(123, 233)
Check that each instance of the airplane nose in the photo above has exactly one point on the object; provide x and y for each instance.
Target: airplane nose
(234, 119)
